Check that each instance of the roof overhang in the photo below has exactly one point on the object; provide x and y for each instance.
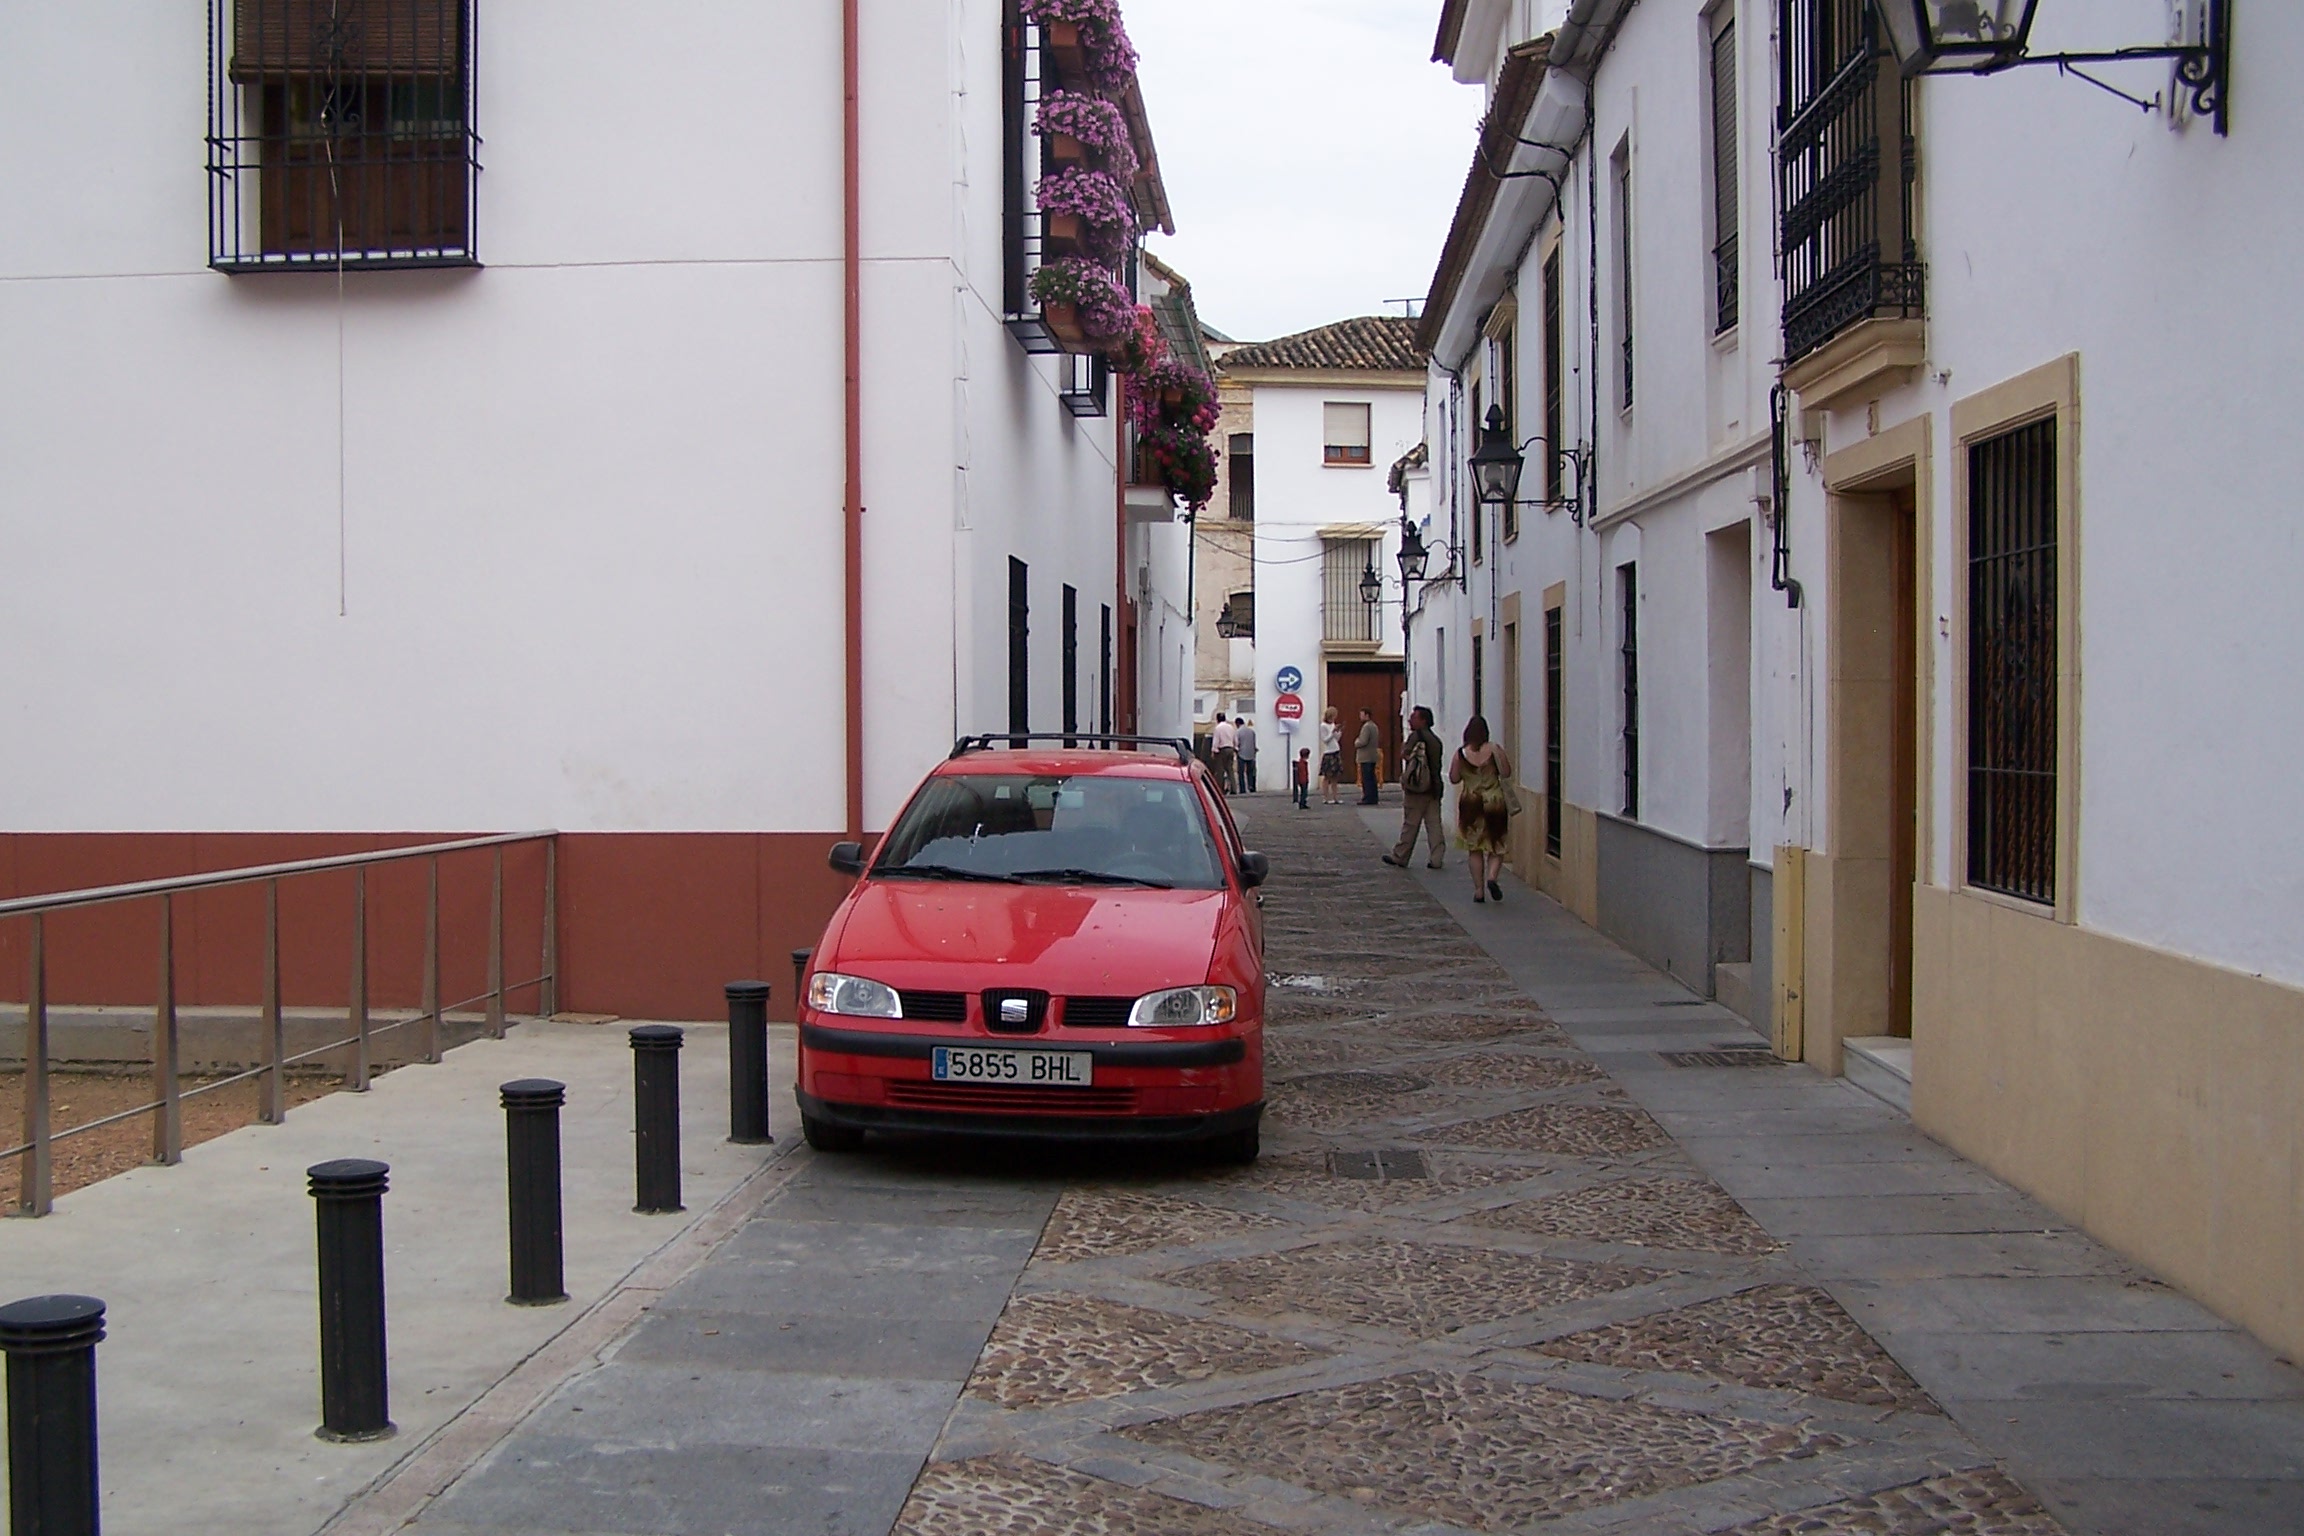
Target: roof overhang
(1327, 378)
(1149, 191)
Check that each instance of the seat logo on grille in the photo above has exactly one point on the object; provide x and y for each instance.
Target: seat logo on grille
(1015, 1010)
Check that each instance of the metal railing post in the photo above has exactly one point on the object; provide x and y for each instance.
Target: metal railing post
(496, 952)
(356, 1075)
(431, 1040)
(168, 1116)
(275, 1111)
(36, 1193)
(50, 1342)
(550, 1002)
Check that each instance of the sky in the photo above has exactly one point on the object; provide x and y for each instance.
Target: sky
(1313, 154)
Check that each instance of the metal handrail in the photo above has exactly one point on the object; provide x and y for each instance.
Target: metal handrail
(36, 1188)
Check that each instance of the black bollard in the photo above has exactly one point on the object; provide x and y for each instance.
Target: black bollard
(51, 1344)
(800, 959)
(348, 1195)
(656, 1116)
(532, 1183)
(748, 1063)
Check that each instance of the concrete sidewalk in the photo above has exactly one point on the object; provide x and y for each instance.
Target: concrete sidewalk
(208, 1384)
(2125, 1406)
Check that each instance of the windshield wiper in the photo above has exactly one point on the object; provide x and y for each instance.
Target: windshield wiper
(943, 872)
(1078, 876)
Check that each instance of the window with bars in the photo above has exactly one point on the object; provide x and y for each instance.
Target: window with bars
(1019, 645)
(341, 131)
(1104, 673)
(1628, 590)
(1345, 618)
(2012, 662)
(1344, 438)
(1846, 163)
(1725, 272)
(1555, 377)
(1240, 454)
(1479, 507)
(1508, 396)
(1555, 778)
(1071, 662)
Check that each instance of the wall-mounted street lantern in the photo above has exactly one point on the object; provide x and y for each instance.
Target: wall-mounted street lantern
(1227, 626)
(1414, 557)
(1984, 37)
(1497, 464)
(1371, 585)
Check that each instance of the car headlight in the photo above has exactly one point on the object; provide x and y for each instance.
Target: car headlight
(1183, 1006)
(856, 996)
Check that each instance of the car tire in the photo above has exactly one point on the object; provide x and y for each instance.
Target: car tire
(824, 1136)
(1239, 1148)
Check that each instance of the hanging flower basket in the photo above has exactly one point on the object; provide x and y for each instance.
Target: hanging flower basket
(1063, 322)
(1065, 49)
(1063, 234)
(1067, 150)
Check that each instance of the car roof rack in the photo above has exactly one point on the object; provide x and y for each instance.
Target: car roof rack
(1072, 739)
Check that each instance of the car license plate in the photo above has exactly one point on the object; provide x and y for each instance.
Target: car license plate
(1038, 1069)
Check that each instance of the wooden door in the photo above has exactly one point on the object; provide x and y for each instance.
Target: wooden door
(1380, 688)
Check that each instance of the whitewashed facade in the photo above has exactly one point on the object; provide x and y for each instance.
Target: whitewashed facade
(1966, 681)
(555, 539)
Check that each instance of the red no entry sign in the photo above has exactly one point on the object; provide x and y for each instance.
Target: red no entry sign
(1289, 706)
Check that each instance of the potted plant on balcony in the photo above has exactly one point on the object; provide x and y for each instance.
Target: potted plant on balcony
(1081, 304)
(1083, 129)
(1085, 212)
(1086, 40)
(1180, 459)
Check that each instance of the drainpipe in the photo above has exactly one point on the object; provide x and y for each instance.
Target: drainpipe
(852, 264)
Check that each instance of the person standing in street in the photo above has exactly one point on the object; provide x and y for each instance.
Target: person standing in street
(1244, 743)
(1302, 772)
(1224, 748)
(1483, 776)
(1420, 793)
(1369, 750)
(1331, 757)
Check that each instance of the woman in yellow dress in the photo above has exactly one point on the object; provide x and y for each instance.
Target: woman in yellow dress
(1483, 776)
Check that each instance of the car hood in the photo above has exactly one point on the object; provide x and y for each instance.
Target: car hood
(1102, 941)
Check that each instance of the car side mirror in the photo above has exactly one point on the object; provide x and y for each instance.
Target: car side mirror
(848, 858)
(1255, 869)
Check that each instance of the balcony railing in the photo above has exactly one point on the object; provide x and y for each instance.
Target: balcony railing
(1846, 161)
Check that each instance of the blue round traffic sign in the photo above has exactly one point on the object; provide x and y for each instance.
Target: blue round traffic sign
(1288, 679)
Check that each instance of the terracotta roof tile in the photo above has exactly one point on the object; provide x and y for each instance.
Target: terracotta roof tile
(1373, 343)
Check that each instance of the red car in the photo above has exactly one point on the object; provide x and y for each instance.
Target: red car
(1060, 942)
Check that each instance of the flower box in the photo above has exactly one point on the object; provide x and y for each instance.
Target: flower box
(1063, 322)
(1063, 39)
(1067, 150)
(1061, 234)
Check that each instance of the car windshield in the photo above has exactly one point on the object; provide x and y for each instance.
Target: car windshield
(1076, 829)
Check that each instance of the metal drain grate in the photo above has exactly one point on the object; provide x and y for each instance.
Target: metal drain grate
(1378, 1163)
(1725, 1056)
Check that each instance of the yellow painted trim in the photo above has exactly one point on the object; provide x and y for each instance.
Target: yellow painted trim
(1788, 889)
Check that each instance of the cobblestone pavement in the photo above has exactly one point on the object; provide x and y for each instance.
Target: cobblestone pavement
(1470, 1287)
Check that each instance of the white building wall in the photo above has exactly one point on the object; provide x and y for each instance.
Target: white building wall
(590, 522)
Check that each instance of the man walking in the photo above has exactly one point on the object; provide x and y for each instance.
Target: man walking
(1224, 747)
(1244, 744)
(1369, 749)
(1420, 793)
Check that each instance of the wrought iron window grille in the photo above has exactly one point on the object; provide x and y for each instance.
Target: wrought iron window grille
(1628, 578)
(1845, 232)
(1087, 386)
(2012, 663)
(341, 133)
(1555, 777)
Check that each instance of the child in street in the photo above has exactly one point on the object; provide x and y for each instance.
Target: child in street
(1303, 776)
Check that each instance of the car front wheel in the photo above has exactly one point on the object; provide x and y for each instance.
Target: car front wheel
(824, 1136)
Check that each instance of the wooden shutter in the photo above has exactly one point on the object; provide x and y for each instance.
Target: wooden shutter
(382, 37)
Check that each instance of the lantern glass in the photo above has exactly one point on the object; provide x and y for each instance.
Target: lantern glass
(1496, 465)
(1930, 34)
(1414, 557)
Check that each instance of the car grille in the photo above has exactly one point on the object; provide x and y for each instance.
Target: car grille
(1097, 1012)
(994, 1098)
(936, 1007)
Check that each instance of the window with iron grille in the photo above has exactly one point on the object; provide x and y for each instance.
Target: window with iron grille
(1846, 160)
(2012, 662)
(341, 131)
(1479, 507)
(1240, 454)
(1071, 663)
(1345, 618)
(1555, 779)
(1086, 384)
(1104, 674)
(1019, 646)
(1243, 607)
(1628, 588)
(1555, 377)
(1622, 172)
(1508, 396)
(1480, 676)
(1725, 273)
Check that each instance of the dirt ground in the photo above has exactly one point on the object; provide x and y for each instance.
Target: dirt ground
(75, 1098)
